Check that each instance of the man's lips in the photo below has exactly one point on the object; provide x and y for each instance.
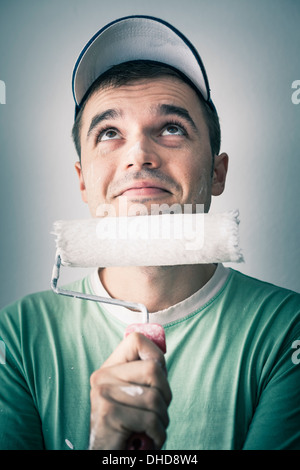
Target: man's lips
(147, 191)
(143, 189)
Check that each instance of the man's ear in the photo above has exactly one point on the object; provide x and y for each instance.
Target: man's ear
(81, 181)
(219, 174)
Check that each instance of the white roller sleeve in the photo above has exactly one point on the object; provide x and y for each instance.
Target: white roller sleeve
(155, 240)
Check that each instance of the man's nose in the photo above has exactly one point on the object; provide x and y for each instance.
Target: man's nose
(142, 154)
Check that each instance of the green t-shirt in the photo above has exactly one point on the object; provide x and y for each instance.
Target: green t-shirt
(233, 366)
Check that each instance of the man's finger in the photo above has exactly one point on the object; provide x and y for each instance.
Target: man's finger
(134, 347)
(141, 373)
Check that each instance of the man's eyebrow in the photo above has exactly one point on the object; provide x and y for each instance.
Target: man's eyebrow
(108, 114)
(166, 109)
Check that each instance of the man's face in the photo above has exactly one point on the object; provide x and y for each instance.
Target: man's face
(147, 141)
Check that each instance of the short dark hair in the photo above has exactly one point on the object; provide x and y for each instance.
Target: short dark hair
(132, 71)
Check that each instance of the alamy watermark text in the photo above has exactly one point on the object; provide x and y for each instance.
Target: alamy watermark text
(2, 353)
(296, 94)
(2, 92)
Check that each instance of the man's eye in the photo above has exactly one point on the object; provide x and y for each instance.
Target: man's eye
(172, 129)
(108, 134)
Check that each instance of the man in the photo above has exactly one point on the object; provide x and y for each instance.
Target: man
(146, 129)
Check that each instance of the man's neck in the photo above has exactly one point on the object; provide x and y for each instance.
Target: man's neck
(156, 287)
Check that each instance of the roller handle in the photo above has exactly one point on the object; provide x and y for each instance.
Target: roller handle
(155, 332)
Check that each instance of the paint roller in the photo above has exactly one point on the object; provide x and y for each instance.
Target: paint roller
(145, 240)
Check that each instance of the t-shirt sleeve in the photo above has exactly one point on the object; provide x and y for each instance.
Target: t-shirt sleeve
(276, 422)
(20, 426)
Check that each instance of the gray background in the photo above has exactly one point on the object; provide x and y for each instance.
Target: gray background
(251, 53)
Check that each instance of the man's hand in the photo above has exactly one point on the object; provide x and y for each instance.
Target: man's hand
(130, 394)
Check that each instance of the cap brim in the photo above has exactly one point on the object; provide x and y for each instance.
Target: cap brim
(137, 38)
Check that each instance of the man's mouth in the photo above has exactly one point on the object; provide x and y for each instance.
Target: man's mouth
(143, 189)
(145, 192)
